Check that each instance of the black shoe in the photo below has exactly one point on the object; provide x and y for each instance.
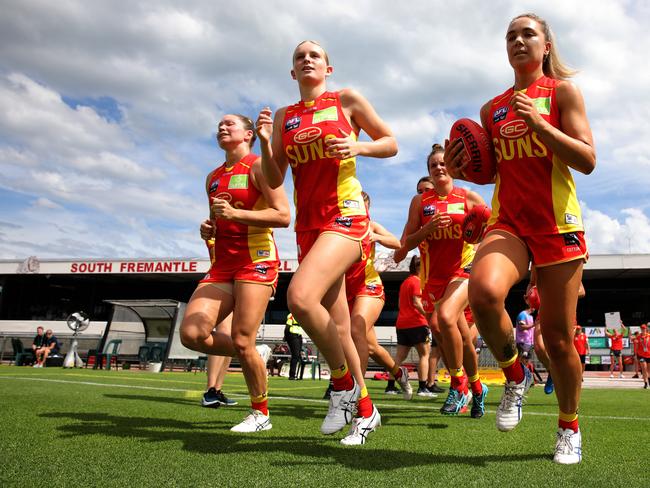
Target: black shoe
(224, 400)
(645, 386)
(391, 391)
(210, 399)
(435, 389)
(635, 376)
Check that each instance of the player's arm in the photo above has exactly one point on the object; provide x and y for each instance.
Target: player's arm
(269, 131)
(574, 143)
(474, 199)
(417, 303)
(378, 233)
(363, 116)
(275, 215)
(207, 229)
(411, 226)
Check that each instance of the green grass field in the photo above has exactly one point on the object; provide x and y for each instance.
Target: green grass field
(123, 428)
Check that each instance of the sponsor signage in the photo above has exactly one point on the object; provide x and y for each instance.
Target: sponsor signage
(127, 266)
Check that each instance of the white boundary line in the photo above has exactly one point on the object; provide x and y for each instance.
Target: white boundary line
(307, 400)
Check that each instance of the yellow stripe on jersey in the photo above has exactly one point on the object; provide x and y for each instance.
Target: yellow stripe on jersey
(261, 248)
(372, 277)
(348, 188)
(260, 239)
(495, 201)
(467, 256)
(566, 208)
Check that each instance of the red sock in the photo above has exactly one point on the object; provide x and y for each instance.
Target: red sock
(344, 383)
(573, 425)
(477, 387)
(364, 407)
(459, 383)
(514, 372)
(262, 406)
(398, 375)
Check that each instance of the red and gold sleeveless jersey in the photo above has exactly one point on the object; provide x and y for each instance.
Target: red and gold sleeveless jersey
(324, 187)
(234, 185)
(444, 251)
(534, 192)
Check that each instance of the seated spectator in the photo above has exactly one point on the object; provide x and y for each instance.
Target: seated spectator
(50, 347)
(37, 343)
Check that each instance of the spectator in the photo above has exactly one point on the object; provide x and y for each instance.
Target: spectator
(293, 337)
(37, 343)
(50, 347)
(644, 353)
(525, 333)
(615, 348)
(582, 346)
(635, 352)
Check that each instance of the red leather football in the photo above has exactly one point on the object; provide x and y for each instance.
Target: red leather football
(475, 222)
(478, 147)
(532, 297)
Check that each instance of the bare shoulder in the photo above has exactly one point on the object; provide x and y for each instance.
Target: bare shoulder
(350, 96)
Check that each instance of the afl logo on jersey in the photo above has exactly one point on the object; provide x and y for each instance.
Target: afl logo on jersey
(513, 129)
(429, 210)
(213, 186)
(307, 135)
(292, 123)
(499, 114)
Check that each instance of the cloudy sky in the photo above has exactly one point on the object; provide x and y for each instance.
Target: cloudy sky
(108, 109)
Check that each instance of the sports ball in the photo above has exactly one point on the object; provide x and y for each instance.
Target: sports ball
(478, 147)
(475, 222)
(532, 297)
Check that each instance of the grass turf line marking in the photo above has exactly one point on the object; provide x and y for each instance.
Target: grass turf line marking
(308, 400)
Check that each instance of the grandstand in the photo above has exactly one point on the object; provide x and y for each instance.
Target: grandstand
(44, 291)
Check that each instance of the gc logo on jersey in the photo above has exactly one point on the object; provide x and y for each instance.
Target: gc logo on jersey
(513, 129)
(307, 135)
(292, 123)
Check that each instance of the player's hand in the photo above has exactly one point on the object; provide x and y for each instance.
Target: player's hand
(400, 254)
(456, 159)
(342, 147)
(264, 125)
(438, 221)
(221, 209)
(207, 229)
(524, 107)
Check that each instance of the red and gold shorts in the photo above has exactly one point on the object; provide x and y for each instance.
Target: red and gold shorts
(435, 288)
(549, 249)
(355, 228)
(262, 272)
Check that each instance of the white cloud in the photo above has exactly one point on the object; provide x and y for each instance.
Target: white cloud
(609, 235)
(173, 69)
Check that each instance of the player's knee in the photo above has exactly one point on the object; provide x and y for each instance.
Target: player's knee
(484, 298)
(191, 336)
(244, 345)
(298, 301)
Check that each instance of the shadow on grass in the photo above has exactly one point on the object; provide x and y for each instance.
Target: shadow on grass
(298, 411)
(323, 450)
